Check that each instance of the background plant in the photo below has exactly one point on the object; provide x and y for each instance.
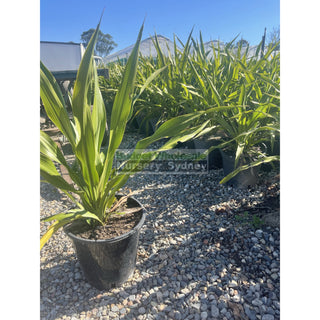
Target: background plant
(239, 90)
(243, 102)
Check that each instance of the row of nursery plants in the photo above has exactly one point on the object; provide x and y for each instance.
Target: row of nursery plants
(239, 93)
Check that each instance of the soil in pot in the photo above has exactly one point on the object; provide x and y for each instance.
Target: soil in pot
(107, 254)
(118, 224)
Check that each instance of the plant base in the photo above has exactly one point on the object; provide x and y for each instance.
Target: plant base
(108, 263)
(243, 179)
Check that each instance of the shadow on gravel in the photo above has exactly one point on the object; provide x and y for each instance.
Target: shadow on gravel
(193, 273)
(50, 193)
(162, 270)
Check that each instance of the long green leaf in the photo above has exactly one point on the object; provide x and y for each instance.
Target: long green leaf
(248, 166)
(99, 117)
(50, 174)
(54, 104)
(64, 218)
(51, 150)
(121, 110)
(86, 150)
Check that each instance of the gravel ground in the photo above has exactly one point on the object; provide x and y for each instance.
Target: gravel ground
(198, 257)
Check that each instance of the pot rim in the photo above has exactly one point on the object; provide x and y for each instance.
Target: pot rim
(114, 239)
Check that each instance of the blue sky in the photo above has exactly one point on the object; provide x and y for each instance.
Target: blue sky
(64, 21)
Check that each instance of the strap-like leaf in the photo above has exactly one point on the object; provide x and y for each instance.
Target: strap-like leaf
(50, 149)
(86, 147)
(99, 117)
(121, 110)
(248, 166)
(50, 174)
(54, 104)
(63, 219)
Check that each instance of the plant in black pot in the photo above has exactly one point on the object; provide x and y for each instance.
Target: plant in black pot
(244, 131)
(103, 225)
(243, 106)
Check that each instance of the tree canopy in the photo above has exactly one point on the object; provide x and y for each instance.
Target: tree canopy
(242, 43)
(274, 37)
(105, 43)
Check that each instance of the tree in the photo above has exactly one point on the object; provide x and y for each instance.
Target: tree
(274, 37)
(104, 45)
(242, 43)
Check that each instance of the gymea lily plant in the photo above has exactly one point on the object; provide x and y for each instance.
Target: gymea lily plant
(95, 180)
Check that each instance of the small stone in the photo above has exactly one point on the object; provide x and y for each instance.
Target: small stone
(172, 241)
(233, 284)
(185, 290)
(204, 315)
(177, 315)
(274, 276)
(77, 276)
(196, 316)
(267, 317)
(196, 306)
(161, 307)
(257, 287)
(254, 240)
(142, 310)
(214, 311)
(259, 233)
(224, 311)
(256, 302)
(115, 308)
(204, 307)
(132, 297)
(250, 313)
(159, 296)
(236, 298)
(276, 304)
(189, 276)
(163, 256)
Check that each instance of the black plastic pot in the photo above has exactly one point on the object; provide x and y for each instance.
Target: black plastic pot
(185, 145)
(146, 126)
(214, 157)
(108, 263)
(242, 179)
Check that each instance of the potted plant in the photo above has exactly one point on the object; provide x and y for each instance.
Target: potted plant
(95, 181)
(244, 130)
(241, 97)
